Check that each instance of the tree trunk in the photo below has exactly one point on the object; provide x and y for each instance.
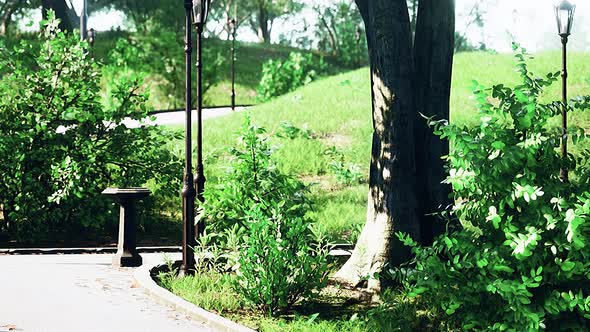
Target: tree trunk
(392, 179)
(69, 20)
(263, 25)
(8, 9)
(331, 34)
(433, 59)
(404, 82)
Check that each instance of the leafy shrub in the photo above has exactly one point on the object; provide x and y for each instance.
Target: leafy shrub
(345, 173)
(253, 179)
(280, 77)
(61, 147)
(290, 131)
(281, 262)
(258, 213)
(519, 261)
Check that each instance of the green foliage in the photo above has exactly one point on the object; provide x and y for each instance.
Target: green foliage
(280, 77)
(252, 180)
(207, 289)
(282, 261)
(462, 44)
(345, 173)
(340, 31)
(269, 207)
(290, 131)
(61, 147)
(518, 261)
(158, 56)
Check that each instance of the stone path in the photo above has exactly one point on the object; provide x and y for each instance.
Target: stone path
(81, 293)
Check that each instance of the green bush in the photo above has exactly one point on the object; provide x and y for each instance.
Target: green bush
(258, 213)
(519, 260)
(252, 179)
(282, 261)
(60, 147)
(280, 77)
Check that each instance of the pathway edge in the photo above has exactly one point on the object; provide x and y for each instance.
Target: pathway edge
(142, 277)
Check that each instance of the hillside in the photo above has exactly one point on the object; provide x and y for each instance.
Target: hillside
(249, 60)
(337, 111)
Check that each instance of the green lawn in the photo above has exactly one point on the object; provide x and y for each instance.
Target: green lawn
(337, 111)
(335, 310)
(249, 60)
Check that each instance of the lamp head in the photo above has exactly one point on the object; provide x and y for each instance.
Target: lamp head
(564, 14)
(200, 11)
(91, 36)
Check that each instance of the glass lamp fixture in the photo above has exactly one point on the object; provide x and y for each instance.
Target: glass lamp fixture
(564, 13)
(200, 11)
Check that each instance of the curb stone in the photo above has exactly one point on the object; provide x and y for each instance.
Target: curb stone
(143, 278)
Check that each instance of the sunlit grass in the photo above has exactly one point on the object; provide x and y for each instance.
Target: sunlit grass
(335, 310)
(338, 112)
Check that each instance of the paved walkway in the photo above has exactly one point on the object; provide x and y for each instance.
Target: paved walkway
(178, 118)
(81, 293)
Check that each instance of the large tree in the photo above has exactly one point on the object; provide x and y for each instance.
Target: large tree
(266, 12)
(64, 11)
(224, 10)
(408, 78)
(339, 31)
(12, 9)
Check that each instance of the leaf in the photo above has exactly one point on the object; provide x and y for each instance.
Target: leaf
(312, 318)
(498, 145)
(503, 268)
(568, 266)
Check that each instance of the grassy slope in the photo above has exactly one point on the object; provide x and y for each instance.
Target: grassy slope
(249, 60)
(337, 110)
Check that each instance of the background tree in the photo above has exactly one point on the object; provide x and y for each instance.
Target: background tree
(406, 81)
(145, 15)
(222, 10)
(64, 11)
(11, 10)
(340, 31)
(266, 12)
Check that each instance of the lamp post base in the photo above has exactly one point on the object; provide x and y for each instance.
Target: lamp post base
(127, 259)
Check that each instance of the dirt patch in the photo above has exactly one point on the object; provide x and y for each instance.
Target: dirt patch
(337, 140)
(322, 181)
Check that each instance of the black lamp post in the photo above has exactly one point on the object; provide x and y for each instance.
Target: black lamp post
(564, 13)
(232, 25)
(84, 21)
(200, 13)
(188, 190)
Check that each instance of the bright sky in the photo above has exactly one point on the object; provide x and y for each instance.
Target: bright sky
(530, 22)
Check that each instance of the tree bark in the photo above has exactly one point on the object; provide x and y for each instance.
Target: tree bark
(391, 201)
(406, 168)
(263, 25)
(69, 20)
(433, 59)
